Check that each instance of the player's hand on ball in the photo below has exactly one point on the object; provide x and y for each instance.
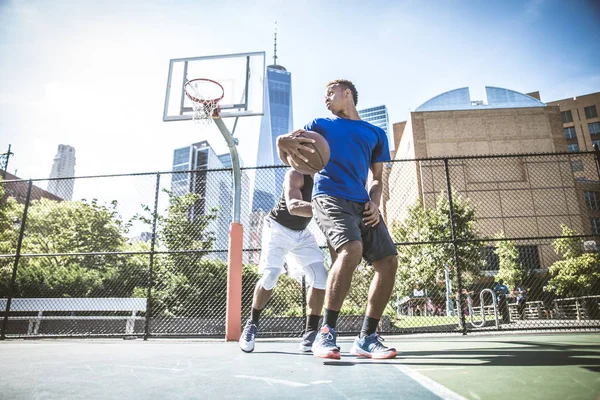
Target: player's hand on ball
(371, 214)
(293, 143)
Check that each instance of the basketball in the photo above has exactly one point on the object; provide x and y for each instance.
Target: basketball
(317, 160)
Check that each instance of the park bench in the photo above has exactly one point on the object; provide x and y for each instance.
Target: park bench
(533, 310)
(575, 307)
(107, 305)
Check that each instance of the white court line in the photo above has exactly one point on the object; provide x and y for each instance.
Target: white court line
(438, 369)
(271, 380)
(146, 367)
(429, 384)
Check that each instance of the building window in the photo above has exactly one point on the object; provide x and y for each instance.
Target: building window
(590, 112)
(567, 116)
(573, 148)
(596, 142)
(595, 222)
(577, 165)
(594, 128)
(528, 257)
(591, 200)
(570, 133)
(490, 258)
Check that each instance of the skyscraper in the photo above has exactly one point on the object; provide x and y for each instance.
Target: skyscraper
(63, 167)
(378, 116)
(213, 187)
(277, 120)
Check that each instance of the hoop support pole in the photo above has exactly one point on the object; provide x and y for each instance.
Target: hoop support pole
(233, 318)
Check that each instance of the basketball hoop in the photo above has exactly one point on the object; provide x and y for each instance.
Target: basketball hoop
(205, 95)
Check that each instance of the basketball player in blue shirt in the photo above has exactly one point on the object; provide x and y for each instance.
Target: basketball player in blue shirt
(348, 215)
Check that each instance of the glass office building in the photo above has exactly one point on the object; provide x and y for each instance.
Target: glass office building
(378, 116)
(277, 120)
(214, 188)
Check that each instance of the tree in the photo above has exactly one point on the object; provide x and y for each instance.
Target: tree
(578, 273)
(422, 265)
(10, 217)
(511, 270)
(11, 213)
(184, 283)
(69, 227)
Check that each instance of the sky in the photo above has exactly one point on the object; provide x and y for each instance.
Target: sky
(93, 75)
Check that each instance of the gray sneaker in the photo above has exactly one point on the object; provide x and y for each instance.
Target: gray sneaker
(248, 337)
(307, 341)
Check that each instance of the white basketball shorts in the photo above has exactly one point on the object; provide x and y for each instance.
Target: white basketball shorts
(297, 249)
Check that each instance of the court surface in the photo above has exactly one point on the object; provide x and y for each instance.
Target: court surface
(525, 366)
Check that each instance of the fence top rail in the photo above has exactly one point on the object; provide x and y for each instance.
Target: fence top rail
(450, 158)
(578, 298)
(488, 156)
(76, 304)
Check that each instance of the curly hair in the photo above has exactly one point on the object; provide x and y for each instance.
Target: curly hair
(346, 85)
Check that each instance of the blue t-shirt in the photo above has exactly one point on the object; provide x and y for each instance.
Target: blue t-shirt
(354, 146)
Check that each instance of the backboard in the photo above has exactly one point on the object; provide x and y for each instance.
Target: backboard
(241, 75)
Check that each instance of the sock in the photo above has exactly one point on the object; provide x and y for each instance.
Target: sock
(312, 322)
(369, 326)
(330, 318)
(255, 316)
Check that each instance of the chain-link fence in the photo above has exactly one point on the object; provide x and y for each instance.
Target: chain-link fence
(146, 254)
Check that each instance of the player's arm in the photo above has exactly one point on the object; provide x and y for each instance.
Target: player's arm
(375, 186)
(293, 183)
(375, 183)
(291, 144)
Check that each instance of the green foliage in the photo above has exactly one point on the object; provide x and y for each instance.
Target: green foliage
(578, 273)
(182, 229)
(198, 290)
(74, 227)
(422, 265)
(10, 215)
(185, 284)
(511, 270)
(68, 227)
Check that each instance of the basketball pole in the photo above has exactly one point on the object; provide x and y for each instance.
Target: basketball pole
(233, 317)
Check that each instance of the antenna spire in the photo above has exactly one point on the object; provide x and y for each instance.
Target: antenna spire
(275, 46)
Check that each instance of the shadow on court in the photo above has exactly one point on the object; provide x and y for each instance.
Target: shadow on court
(515, 353)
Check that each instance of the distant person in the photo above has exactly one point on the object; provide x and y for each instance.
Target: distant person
(549, 303)
(501, 291)
(286, 239)
(469, 305)
(520, 294)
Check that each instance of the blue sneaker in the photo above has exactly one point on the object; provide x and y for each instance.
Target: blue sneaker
(248, 337)
(324, 345)
(372, 347)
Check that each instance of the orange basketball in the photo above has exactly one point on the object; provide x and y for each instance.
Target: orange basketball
(317, 160)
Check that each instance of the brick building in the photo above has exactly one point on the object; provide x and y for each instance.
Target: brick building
(522, 197)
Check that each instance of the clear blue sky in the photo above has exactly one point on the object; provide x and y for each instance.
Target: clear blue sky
(93, 74)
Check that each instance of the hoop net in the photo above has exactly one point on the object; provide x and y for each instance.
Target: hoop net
(205, 95)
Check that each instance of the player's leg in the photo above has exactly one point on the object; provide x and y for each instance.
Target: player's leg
(314, 299)
(308, 256)
(274, 247)
(381, 252)
(340, 223)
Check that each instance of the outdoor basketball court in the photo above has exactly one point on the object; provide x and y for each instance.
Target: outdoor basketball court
(530, 366)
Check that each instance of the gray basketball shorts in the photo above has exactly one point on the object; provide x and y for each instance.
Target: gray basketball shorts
(341, 221)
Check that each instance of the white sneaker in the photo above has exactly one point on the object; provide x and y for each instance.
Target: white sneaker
(248, 337)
